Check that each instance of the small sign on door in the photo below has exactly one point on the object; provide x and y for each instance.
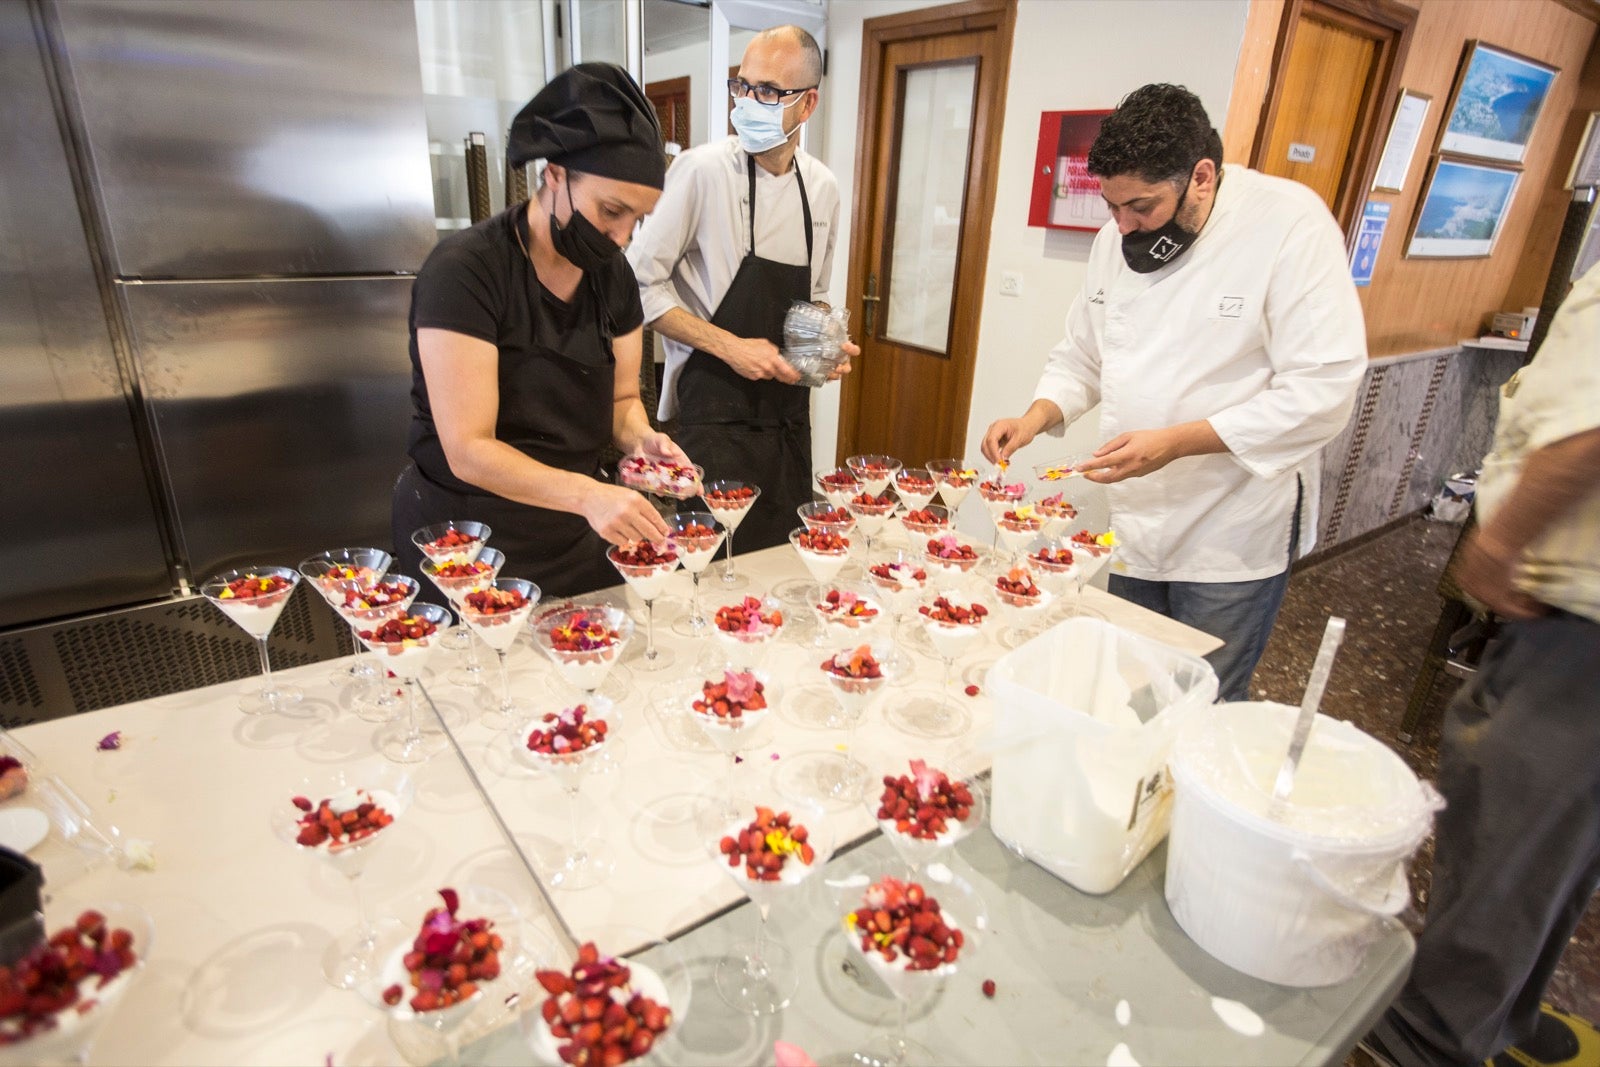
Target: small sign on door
(1301, 153)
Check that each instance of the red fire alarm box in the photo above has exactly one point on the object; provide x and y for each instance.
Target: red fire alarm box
(1065, 195)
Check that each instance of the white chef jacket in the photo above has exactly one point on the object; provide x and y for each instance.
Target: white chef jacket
(1256, 328)
(690, 247)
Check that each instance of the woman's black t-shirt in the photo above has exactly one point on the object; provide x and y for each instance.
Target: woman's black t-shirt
(480, 283)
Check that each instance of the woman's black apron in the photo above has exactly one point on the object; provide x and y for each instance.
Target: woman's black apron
(756, 432)
(555, 406)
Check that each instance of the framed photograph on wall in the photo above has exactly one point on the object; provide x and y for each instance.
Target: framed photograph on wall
(1496, 103)
(1462, 211)
(1410, 112)
(1585, 172)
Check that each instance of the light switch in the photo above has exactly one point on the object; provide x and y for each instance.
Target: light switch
(1010, 283)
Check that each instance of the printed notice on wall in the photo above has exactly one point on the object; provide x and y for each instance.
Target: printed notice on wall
(1368, 238)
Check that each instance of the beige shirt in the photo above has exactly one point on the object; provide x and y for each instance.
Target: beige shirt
(1555, 397)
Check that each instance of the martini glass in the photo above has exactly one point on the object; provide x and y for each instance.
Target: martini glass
(759, 977)
(837, 485)
(1057, 513)
(845, 619)
(729, 502)
(697, 536)
(406, 643)
(924, 811)
(455, 579)
(648, 968)
(569, 746)
(456, 541)
(1023, 604)
(855, 678)
(951, 639)
(254, 597)
(1056, 567)
(496, 613)
(584, 643)
(874, 472)
(646, 568)
(1015, 528)
(823, 515)
(746, 629)
(861, 893)
(1093, 553)
(871, 513)
(955, 479)
(731, 734)
(66, 1034)
(949, 557)
(899, 578)
(325, 571)
(421, 921)
(999, 497)
(915, 487)
(930, 520)
(365, 605)
(823, 555)
(297, 820)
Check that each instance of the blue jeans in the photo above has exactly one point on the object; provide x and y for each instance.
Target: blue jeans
(1241, 613)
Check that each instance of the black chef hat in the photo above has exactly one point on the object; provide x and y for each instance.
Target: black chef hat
(592, 118)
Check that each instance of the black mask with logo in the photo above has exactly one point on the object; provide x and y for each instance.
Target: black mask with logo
(580, 242)
(1146, 252)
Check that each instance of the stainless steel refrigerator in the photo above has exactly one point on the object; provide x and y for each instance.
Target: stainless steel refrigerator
(210, 215)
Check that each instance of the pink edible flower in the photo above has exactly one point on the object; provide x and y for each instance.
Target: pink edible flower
(741, 685)
(110, 742)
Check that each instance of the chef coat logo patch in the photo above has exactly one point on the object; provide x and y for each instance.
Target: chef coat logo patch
(1230, 307)
(1164, 249)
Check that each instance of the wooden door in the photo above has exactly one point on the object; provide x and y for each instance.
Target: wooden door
(671, 100)
(1335, 74)
(932, 93)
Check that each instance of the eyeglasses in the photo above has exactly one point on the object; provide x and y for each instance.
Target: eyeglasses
(766, 94)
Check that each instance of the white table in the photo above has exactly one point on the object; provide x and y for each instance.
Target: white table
(241, 919)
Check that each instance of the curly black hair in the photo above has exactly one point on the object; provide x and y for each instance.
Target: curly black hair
(1157, 133)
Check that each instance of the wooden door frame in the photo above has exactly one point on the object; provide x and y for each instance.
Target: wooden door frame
(972, 263)
(1366, 142)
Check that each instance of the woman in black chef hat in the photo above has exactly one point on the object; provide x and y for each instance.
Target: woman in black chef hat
(526, 336)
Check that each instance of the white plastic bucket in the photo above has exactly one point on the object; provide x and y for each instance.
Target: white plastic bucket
(1085, 716)
(1297, 895)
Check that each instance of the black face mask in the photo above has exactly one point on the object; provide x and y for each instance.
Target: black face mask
(580, 242)
(1147, 252)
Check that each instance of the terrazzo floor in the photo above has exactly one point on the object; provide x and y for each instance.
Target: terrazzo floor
(1385, 589)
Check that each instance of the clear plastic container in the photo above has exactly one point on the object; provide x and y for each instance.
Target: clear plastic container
(1086, 715)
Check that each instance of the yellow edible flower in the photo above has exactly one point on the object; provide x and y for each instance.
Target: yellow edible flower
(780, 842)
(1107, 539)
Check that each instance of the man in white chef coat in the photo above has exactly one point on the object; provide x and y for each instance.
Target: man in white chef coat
(745, 227)
(1219, 331)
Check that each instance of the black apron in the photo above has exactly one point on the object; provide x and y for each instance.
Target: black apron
(555, 406)
(756, 432)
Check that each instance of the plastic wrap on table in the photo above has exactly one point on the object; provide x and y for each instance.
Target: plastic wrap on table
(1293, 893)
(1086, 715)
(76, 838)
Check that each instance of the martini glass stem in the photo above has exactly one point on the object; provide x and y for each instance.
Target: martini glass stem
(727, 568)
(947, 703)
(900, 1045)
(575, 853)
(267, 689)
(756, 966)
(505, 684)
(368, 934)
(650, 630)
(695, 618)
(413, 733)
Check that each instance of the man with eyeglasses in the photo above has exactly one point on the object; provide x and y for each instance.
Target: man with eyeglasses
(745, 227)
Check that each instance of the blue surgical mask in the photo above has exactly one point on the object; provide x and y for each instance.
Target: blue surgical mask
(759, 126)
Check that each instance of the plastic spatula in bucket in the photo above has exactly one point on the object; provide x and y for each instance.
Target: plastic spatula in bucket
(1308, 713)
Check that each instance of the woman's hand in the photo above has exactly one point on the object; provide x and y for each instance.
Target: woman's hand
(663, 449)
(621, 515)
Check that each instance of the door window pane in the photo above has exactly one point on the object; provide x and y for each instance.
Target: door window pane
(934, 129)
